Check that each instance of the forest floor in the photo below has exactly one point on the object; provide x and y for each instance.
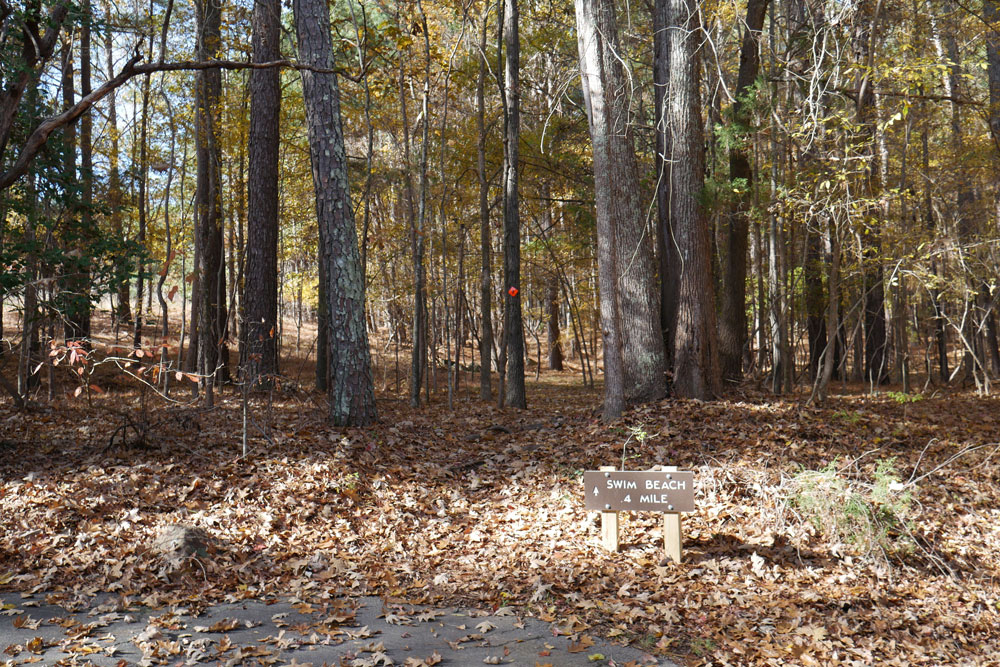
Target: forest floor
(863, 531)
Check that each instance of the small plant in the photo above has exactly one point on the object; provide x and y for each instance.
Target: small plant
(903, 399)
(871, 518)
(849, 416)
(637, 432)
(702, 646)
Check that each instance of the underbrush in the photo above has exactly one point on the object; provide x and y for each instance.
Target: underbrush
(866, 517)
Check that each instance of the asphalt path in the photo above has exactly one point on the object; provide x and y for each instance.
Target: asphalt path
(352, 632)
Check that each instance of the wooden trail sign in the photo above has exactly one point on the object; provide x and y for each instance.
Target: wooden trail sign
(639, 491)
(667, 490)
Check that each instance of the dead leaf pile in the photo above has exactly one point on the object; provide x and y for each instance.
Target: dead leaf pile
(485, 508)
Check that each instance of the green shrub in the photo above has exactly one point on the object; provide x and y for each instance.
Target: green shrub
(869, 518)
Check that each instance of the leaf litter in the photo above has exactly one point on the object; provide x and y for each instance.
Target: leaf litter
(485, 508)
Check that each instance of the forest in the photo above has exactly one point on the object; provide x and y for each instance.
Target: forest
(325, 247)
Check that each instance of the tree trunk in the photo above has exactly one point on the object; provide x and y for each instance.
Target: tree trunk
(832, 316)
(208, 195)
(876, 362)
(992, 15)
(486, 271)
(513, 323)
(669, 260)
(733, 309)
(260, 296)
(123, 313)
(633, 342)
(69, 284)
(554, 335)
(696, 365)
(79, 320)
(352, 394)
(322, 325)
(143, 206)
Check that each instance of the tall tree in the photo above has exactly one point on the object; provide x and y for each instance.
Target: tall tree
(418, 367)
(876, 341)
(696, 366)
(70, 284)
(143, 209)
(732, 293)
(82, 235)
(633, 344)
(259, 354)
(665, 245)
(123, 311)
(486, 271)
(352, 394)
(991, 12)
(208, 199)
(513, 323)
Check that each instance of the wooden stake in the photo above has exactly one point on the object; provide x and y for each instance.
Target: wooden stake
(609, 524)
(672, 529)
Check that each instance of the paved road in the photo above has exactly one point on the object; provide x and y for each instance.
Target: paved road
(356, 632)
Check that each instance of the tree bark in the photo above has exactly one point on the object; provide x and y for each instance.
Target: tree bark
(669, 260)
(633, 343)
(78, 324)
(876, 367)
(732, 309)
(143, 209)
(260, 295)
(123, 313)
(352, 394)
(486, 270)
(211, 301)
(696, 365)
(69, 283)
(513, 322)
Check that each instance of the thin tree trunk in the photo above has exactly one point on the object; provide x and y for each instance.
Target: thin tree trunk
(668, 258)
(832, 315)
(815, 308)
(143, 206)
(81, 322)
(732, 309)
(513, 323)
(554, 335)
(486, 270)
(211, 301)
(876, 359)
(168, 249)
(70, 285)
(123, 312)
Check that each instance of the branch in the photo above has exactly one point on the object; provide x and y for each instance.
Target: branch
(132, 68)
(852, 93)
(195, 65)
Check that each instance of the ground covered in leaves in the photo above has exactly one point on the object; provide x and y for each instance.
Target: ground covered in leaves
(865, 531)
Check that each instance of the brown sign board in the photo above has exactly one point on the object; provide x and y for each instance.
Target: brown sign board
(639, 491)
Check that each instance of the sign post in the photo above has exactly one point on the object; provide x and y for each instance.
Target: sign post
(667, 490)
(609, 525)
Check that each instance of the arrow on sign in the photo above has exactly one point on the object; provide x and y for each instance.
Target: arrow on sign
(596, 492)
